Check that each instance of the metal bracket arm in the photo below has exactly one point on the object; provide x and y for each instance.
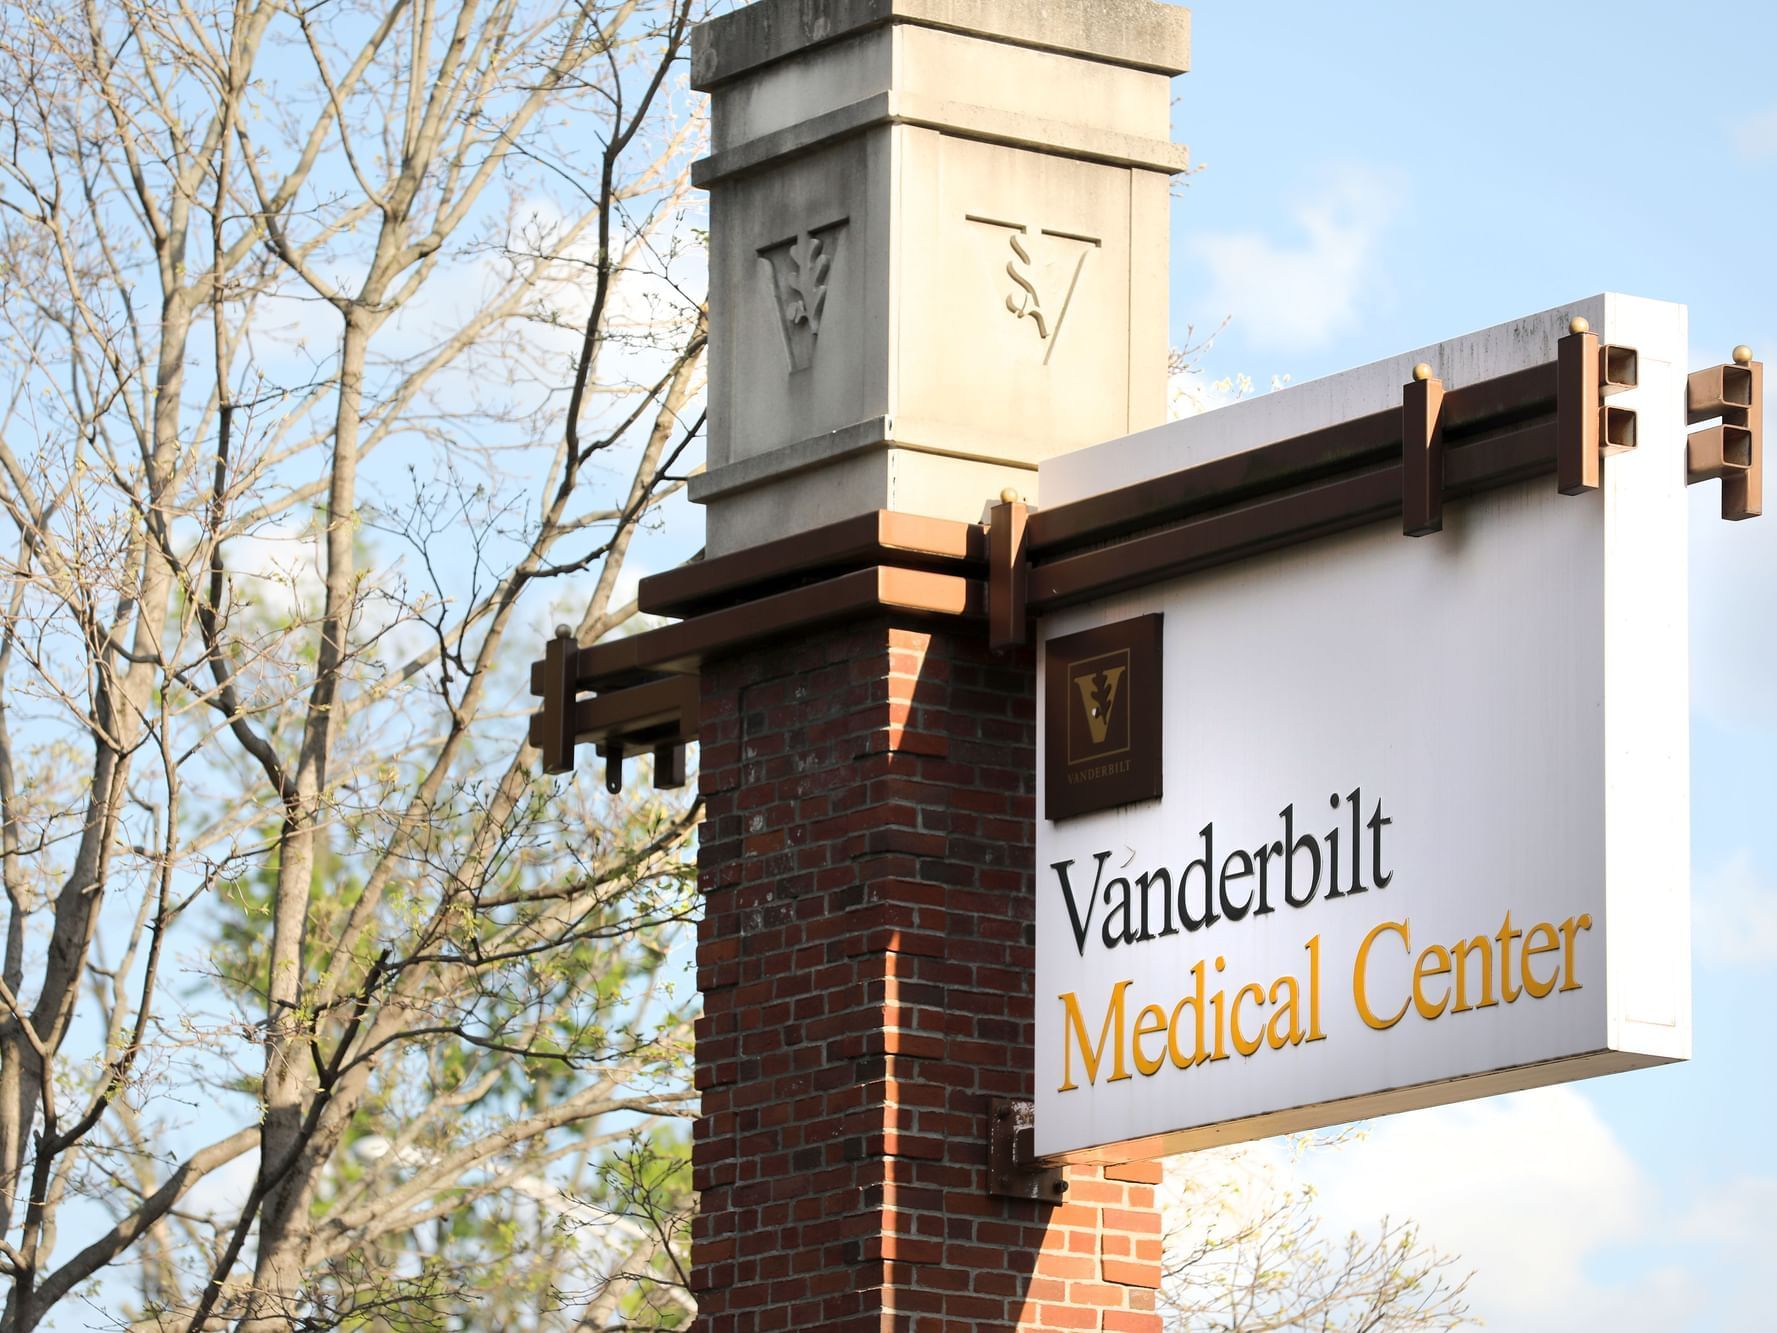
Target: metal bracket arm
(1012, 1169)
(1422, 454)
(1008, 573)
(1586, 427)
(1732, 450)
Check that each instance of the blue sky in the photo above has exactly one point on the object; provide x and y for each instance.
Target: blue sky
(1374, 178)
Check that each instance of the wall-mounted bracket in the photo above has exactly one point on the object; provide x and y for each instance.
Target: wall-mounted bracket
(637, 713)
(1586, 427)
(1008, 573)
(669, 765)
(1012, 1169)
(1732, 450)
(561, 661)
(1422, 454)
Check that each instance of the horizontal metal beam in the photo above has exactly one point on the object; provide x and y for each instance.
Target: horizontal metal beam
(907, 541)
(1733, 450)
(1327, 452)
(647, 683)
(1315, 510)
(661, 710)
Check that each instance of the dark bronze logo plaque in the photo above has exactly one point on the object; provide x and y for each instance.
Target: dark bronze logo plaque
(1102, 734)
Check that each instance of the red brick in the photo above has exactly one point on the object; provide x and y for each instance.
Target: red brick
(1129, 1274)
(866, 862)
(1138, 1173)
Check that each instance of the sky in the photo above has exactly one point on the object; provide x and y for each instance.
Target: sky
(1376, 177)
(1372, 178)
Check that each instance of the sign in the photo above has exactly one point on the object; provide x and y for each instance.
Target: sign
(1103, 725)
(1425, 829)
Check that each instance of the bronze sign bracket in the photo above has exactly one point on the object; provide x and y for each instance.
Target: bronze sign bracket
(1422, 453)
(1586, 427)
(555, 724)
(640, 693)
(1732, 450)
(1008, 573)
(1013, 1171)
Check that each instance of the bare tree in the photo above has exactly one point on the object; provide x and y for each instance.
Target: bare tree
(344, 340)
(1250, 1254)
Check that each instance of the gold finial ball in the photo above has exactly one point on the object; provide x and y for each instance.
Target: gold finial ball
(1422, 371)
(1579, 324)
(1009, 496)
(1743, 355)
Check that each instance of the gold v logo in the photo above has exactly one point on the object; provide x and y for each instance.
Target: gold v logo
(1101, 719)
(1098, 694)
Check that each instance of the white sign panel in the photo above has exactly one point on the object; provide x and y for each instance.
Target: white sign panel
(1425, 826)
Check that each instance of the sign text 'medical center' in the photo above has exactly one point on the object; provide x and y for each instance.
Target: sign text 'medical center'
(1214, 1020)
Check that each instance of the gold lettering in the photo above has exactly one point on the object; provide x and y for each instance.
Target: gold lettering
(1075, 1030)
(1218, 1001)
(1568, 927)
(1421, 972)
(1143, 1028)
(1198, 1054)
(1507, 991)
(1314, 1029)
(1288, 1009)
(1358, 976)
(1241, 1044)
(1484, 946)
(1532, 987)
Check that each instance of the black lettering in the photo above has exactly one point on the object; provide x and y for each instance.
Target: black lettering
(1163, 877)
(1263, 855)
(1377, 824)
(1293, 844)
(1354, 800)
(1228, 908)
(1118, 904)
(1067, 891)
(1206, 863)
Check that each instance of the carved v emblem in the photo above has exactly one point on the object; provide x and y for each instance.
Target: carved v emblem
(1038, 293)
(800, 269)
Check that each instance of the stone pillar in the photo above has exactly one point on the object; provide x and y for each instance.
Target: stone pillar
(938, 234)
(938, 249)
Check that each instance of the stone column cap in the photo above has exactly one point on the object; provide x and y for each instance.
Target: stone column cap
(1139, 34)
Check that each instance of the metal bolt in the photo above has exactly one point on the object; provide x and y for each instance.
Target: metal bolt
(1060, 1187)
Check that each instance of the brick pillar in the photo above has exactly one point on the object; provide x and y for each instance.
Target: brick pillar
(866, 962)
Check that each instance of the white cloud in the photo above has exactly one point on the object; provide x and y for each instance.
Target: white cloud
(1756, 136)
(1732, 1215)
(1734, 915)
(1525, 1189)
(1534, 1193)
(1302, 289)
(277, 569)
